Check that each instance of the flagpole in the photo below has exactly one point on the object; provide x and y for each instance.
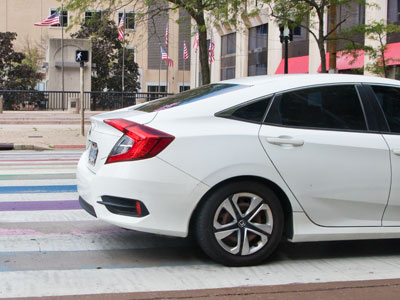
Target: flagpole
(195, 71)
(159, 75)
(123, 60)
(184, 60)
(62, 51)
(167, 45)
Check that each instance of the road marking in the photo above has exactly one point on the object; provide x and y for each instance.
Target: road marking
(38, 176)
(40, 205)
(44, 216)
(37, 189)
(111, 239)
(34, 182)
(168, 278)
(38, 197)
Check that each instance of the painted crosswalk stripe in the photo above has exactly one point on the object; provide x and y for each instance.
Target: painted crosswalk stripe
(44, 216)
(38, 176)
(38, 189)
(38, 197)
(39, 205)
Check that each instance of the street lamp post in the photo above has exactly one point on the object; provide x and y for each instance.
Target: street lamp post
(286, 36)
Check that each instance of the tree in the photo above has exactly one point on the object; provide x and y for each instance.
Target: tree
(107, 55)
(14, 74)
(310, 15)
(196, 9)
(376, 32)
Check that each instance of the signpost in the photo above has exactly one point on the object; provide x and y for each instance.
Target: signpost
(82, 56)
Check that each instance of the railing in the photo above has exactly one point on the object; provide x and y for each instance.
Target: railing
(57, 100)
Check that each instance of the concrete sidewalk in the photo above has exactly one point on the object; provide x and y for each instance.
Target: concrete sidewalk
(37, 130)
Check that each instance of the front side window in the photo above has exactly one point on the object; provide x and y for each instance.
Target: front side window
(329, 107)
(63, 18)
(389, 99)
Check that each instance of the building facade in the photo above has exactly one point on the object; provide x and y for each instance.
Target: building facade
(251, 50)
(144, 38)
(255, 48)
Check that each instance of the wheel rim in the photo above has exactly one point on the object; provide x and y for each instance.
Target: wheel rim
(243, 224)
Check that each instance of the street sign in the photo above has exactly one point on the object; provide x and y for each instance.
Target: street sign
(81, 56)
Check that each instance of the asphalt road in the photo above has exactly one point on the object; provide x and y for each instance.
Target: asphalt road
(51, 248)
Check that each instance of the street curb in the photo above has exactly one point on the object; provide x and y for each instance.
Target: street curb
(11, 146)
(29, 147)
(6, 146)
(69, 147)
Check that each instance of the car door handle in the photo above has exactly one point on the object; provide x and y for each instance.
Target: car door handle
(285, 141)
(396, 152)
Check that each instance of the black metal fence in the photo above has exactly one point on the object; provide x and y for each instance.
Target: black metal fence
(58, 100)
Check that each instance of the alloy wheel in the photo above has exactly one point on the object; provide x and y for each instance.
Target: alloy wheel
(243, 224)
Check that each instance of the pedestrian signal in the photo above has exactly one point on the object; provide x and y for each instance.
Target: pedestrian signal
(82, 56)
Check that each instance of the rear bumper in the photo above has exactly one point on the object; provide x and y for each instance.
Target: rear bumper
(169, 194)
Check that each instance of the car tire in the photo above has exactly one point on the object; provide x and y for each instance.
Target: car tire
(240, 223)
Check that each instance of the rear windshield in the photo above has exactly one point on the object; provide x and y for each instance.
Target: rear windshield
(189, 96)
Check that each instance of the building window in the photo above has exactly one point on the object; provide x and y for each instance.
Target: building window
(393, 15)
(129, 19)
(130, 53)
(64, 19)
(258, 50)
(228, 57)
(183, 88)
(155, 89)
(297, 31)
(92, 15)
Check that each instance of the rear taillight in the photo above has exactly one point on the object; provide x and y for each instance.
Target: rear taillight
(138, 141)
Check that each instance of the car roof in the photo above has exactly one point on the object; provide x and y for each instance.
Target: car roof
(314, 78)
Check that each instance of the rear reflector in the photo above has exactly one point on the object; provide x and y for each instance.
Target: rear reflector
(138, 141)
(124, 206)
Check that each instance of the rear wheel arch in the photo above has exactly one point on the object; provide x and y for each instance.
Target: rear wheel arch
(284, 201)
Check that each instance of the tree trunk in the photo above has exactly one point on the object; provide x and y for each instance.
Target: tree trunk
(321, 42)
(322, 53)
(205, 69)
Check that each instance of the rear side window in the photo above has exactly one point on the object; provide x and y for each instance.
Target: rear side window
(251, 112)
(329, 107)
(190, 96)
(389, 99)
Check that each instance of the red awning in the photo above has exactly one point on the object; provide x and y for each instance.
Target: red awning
(295, 65)
(345, 61)
(393, 54)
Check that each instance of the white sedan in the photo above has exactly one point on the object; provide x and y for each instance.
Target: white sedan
(242, 164)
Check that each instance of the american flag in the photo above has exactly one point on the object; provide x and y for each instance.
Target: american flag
(211, 57)
(166, 35)
(164, 56)
(121, 28)
(54, 19)
(196, 42)
(185, 51)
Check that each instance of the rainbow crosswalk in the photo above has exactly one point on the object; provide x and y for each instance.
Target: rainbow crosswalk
(49, 246)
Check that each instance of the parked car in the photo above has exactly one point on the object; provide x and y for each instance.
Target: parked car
(244, 163)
